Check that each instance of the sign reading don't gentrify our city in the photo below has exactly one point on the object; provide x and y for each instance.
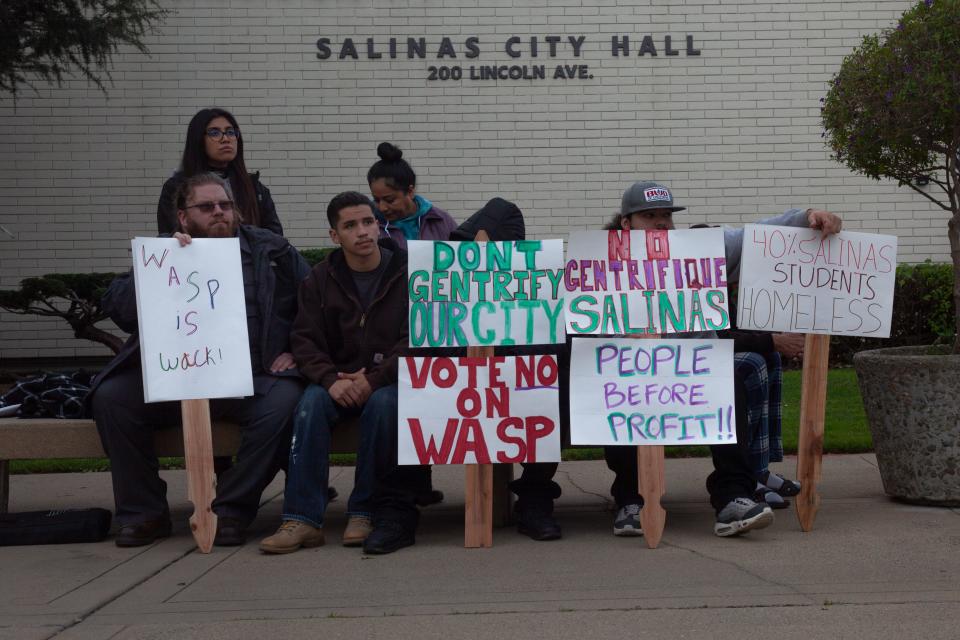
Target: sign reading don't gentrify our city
(460, 57)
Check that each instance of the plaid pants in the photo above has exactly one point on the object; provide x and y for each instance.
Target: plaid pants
(763, 380)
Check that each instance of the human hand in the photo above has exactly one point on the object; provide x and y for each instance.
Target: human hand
(283, 362)
(343, 393)
(183, 238)
(643, 336)
(824, 220)
(789, 344)
(360, 384)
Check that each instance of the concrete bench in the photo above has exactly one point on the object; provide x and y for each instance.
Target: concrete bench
(44, 439)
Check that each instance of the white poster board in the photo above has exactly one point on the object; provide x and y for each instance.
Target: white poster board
(646, 282)
(485, 293)
(479, 410)
(192, 319)
(797, 280)
(651, 392)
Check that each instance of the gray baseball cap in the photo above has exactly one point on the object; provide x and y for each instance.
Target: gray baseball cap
(647, 195)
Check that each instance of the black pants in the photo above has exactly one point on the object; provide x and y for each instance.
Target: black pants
(126, 424)
(731, 477)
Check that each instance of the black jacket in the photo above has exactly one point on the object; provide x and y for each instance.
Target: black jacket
(167, 208)
(278, 269)
(334, 333)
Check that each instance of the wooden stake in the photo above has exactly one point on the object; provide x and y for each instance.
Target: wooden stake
(813, 399)
(652, 487)
(478, 514)
(201, 480)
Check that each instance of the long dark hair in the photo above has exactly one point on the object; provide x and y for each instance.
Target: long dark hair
(395, 171)
(195, 161)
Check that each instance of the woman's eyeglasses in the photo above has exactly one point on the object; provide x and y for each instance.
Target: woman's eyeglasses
(208, 207)
(214, 134)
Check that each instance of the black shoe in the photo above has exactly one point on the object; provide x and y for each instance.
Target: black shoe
(388, 536)
(537, 522)
(429, 497)
(230, 533)
(143, 533)
(332, 494)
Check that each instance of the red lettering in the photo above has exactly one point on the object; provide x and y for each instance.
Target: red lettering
(517, 441)
(153, 257)
(618, 245)
(537, 427)
(418, 378)
(472, 364)
(658, 246)
(473, 397)
(465, 444)
(443, 366)
(428, 454)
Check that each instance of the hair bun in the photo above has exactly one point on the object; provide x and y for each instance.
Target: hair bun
(388, 152)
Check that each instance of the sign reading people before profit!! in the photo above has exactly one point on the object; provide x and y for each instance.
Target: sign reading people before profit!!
(801, 281)
(479, 410)
(192, 319)
(651, 392)
(640, 283)
(485, 293)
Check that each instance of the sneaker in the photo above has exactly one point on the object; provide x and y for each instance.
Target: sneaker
(358, 528)
(389, 536)
(627, 522)
(537, 521)
(292, 535)
(771, 497)
(741, 515)
(782, 486)
(230, 533)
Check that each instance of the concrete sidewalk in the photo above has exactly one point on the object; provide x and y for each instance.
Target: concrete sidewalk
(871, 568)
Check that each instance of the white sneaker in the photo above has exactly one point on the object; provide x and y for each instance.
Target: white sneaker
(742, 515)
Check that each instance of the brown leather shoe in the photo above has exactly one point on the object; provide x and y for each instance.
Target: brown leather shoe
(143, 533)
(358, 528)
(292, 535)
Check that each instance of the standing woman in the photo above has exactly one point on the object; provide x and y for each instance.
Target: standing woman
(214, 144)
(404, 215)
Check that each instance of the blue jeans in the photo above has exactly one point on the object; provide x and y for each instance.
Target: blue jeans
(308, 475)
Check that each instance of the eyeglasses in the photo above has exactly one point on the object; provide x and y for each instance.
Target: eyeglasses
(208, 207)
(214, 134)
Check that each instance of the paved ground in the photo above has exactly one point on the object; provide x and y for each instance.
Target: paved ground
(871, 568)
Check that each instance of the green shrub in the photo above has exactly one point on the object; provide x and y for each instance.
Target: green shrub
(315, 256)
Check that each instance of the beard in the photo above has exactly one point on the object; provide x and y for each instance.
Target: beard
(212, 229)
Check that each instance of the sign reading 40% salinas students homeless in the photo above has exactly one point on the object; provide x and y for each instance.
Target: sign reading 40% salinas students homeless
(799, 280)
(192, 319)
(646, 282)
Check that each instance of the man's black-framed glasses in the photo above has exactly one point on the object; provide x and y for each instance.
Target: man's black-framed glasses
(209, 207)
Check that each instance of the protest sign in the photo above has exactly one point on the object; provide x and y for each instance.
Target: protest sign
(653, 282)
(192, 319)
(651, 392)
(798, 280)
(485, 293)
(475, 410)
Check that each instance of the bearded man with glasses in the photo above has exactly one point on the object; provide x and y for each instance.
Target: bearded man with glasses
(272, 271)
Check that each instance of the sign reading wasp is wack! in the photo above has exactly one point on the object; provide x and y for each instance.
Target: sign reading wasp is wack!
(485, 293)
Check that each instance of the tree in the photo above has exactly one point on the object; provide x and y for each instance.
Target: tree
(46, 39)
(75, 297)
(893, 111)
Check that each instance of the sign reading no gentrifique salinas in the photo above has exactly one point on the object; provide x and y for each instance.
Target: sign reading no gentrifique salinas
(801, 281)
(485, 293)
(478, 410)
(651, 392)
(653, 282)
(192, 319)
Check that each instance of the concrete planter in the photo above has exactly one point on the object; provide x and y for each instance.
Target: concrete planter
(912, 400)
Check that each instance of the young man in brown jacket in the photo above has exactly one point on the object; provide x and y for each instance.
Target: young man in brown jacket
(348, 334)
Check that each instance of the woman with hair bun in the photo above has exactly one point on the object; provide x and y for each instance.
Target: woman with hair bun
(214, 145)
(403, 214)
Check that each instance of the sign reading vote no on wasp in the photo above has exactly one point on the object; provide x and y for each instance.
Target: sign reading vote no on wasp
(192, 319)
(485, 293)
(478, 410)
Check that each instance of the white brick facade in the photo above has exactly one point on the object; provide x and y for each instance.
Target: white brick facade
(735, 130)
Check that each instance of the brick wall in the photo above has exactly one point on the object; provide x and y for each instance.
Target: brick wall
(735, 131)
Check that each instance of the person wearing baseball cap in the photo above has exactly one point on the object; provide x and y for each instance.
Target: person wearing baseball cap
(649, 206)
